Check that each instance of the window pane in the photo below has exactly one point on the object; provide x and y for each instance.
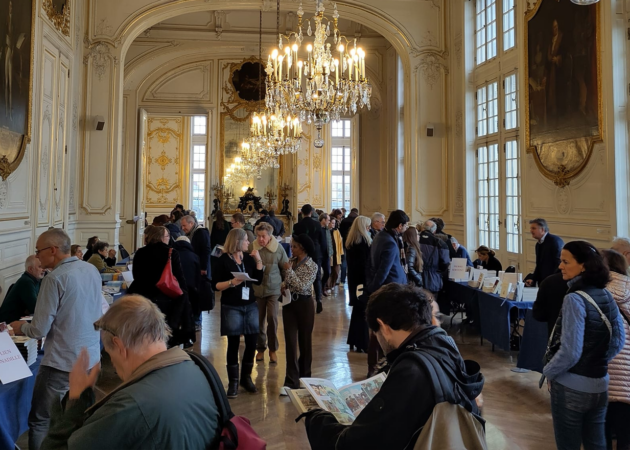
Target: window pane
(337, 128)
(508, 24)
(199, 125)
(199, 157)
(347, 125)
(511, 102)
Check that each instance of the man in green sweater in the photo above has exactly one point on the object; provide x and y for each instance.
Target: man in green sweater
(20, 300)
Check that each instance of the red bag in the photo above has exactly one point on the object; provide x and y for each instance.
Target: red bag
(168, 284)
(239, 434)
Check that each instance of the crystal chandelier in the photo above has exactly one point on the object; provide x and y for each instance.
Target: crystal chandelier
(584, 2)
(321, 87)
(239, 171)
(272, 134)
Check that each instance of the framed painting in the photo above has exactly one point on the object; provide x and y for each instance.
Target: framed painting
(16, 81)
(563, 95)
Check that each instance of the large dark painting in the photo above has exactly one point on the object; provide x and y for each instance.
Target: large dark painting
(249, 81)
(563, 96)
(16, 26)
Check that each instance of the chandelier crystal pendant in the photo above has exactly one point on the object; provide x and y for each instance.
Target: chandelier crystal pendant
(584, 2)
(326, 83)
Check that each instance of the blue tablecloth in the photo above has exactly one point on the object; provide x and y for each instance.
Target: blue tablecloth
(494, 318)
(533, 345)
(15, 404)
(287, 248)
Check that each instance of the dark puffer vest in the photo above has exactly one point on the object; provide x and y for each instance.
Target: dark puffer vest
(593, 362)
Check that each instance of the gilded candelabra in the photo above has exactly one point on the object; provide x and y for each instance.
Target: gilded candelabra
(271, 196)
(285, 190)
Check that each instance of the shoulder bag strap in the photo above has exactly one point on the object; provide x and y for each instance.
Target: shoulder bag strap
(601, 314)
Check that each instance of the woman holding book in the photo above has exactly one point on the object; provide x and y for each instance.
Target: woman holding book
(239, 310)
(298, 316)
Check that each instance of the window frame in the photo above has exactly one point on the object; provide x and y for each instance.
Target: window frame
(500, 14)
(198, 140)
(345, 143)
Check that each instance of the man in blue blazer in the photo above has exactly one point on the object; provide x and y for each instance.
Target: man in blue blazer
(548, 250)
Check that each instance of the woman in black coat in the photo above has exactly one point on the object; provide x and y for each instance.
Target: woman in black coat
(413, 255)
(487, 259)
(239, 310)
(358, 245)
(192, 271)
(148, 265)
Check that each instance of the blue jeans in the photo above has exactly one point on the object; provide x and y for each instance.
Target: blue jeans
(578, 418)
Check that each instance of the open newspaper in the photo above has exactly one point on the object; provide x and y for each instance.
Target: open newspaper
(345, 403)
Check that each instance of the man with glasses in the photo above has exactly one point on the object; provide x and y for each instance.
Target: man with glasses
(378, 223)
(68, 304)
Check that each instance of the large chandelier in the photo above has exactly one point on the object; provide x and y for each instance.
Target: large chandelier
(321, 87)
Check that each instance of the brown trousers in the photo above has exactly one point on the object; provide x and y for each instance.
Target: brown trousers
(298, 318)
(268, 323)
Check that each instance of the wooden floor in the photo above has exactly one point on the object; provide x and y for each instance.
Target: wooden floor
(517, 411)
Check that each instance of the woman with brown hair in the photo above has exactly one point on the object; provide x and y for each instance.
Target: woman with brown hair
(413, 255)
(618, 411)
(148, 265)
(220, 229)
(486, 259)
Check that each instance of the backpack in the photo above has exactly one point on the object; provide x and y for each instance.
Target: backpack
(236, 431)
(450, 426)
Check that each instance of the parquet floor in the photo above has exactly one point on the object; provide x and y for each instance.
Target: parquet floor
(517, 411)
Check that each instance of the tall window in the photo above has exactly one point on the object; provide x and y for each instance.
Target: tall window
(199, 141)
(486, 30)
(341, 163)
(509, 34)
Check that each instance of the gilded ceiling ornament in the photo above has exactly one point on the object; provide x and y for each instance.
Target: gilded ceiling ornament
(59, 14)
(163, 160)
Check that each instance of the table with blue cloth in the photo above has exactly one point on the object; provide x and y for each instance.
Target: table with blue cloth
(15, 404)
(493, 315)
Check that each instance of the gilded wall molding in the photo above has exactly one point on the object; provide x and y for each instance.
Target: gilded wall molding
(60, 19)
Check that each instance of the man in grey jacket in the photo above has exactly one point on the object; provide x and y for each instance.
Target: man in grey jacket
(68, 303)
(164, 402)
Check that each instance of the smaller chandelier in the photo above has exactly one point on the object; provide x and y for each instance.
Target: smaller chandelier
(239, 171)
(584, 2)
(283, 134)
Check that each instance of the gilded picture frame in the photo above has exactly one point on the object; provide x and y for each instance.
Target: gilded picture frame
(58, 12)
(563, 107)
(17, 38)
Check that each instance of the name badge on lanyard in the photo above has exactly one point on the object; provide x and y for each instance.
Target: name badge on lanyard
(245, 293)
(244, 289)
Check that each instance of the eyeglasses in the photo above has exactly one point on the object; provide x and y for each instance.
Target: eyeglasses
(98, 327)
(37, 252)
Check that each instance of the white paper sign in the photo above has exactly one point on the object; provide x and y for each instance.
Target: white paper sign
(458, 269)
(12, 364)
(505, 289)
(128, 277)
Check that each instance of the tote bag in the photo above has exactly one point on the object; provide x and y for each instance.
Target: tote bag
(168, 284)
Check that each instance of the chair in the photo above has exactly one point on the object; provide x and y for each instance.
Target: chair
(510, 269)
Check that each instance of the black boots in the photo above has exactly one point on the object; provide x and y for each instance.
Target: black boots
(232, 391)
(246, 378)
(320, 308)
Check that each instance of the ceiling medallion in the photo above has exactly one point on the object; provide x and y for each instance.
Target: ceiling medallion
(58, 12)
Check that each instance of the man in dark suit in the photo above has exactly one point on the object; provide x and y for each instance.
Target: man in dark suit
(549, 300)
(548, 250)
(312, 229)
(200, 241)
(344, 226)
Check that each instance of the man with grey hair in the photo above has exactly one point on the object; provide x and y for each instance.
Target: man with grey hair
(436, 258)
(68, 303)
(200, 241)
(22, 296)
(165, 400)
(378, 223)
(548, 248)
(622, 245)
(460, 251)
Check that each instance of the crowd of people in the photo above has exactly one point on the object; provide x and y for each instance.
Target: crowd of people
(397, 275)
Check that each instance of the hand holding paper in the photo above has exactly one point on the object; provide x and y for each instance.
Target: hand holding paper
(242, 276)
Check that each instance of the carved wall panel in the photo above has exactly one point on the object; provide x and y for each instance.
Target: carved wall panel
(189, 82)
(165, 156)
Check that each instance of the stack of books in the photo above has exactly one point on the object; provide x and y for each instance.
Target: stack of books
(27, 347)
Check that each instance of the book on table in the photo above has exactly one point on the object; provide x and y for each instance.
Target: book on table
(345, 403)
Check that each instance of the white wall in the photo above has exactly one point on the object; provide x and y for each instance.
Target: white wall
(41, 193)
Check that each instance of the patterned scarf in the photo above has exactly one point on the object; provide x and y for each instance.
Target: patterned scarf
(401, 247)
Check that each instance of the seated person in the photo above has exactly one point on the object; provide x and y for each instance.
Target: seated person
(486, 259)
(400, 316)
(164, 402)
(22, 296)
(460, 251)
(99, 257)
(76, 250)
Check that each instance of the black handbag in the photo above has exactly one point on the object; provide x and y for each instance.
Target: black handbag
(205, 294)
